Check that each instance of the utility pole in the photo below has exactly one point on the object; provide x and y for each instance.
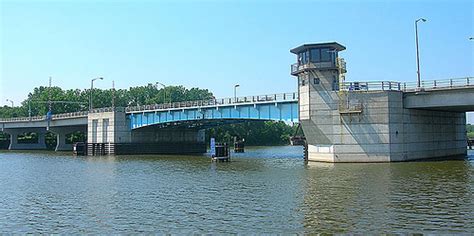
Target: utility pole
(29, 108)
(235, 92)
(49, 114)
(113, 95)
(164, 92)
(418, 87)
(92, 88)
(49, 96)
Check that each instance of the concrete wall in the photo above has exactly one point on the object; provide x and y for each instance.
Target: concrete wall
(420, 134)
(383, 131)
(108, 127)
(318, 110)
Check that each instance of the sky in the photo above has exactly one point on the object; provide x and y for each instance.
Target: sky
(217, 44)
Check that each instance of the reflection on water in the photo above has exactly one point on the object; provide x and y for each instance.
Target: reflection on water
(264, 190)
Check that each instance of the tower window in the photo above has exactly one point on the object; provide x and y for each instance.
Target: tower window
(316, 80)
(326, 54)
(315, 55)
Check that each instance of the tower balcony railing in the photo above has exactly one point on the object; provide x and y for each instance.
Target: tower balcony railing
(300, 67)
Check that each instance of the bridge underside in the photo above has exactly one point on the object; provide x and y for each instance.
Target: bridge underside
(198, 124)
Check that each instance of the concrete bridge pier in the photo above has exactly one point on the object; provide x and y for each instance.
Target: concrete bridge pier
(61, 134)
(375, 121)
(15, 133)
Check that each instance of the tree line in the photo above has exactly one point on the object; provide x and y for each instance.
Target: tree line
(470, 131)
(73, 100)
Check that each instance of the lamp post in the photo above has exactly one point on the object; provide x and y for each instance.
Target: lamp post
(8, 100)
(418, 87)
(164, 91)
(29, 108)
(92, 87)
(235, 92)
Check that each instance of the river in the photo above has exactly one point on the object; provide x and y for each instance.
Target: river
(265, 190)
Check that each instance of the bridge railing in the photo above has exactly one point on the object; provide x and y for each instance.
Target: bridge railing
(41, 118)
(407, 86)
(440, 84)
(371, 86)
(216, 102)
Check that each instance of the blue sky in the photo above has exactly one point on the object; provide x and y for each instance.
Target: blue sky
(216, 44)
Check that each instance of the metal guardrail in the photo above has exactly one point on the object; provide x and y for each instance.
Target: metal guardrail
(407, 86)
(42, 118)
(216, 102)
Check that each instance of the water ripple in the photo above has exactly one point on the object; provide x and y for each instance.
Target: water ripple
(265, 190)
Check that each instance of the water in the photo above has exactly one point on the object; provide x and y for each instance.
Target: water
(265, 190)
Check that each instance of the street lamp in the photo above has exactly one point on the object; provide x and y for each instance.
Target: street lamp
(235, 92)
(418, 53)
(164, 91)
(8, 100)
(92, 87)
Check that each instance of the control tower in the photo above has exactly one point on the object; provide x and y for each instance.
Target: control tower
(369, 121)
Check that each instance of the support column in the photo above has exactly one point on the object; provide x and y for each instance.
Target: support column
(14, 133)
(61, 133)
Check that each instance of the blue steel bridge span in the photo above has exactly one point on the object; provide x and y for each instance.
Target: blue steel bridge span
(215, 112)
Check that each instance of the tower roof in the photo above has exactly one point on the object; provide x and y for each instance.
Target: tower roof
(303, 47)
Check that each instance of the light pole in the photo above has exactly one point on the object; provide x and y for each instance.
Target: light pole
(8, 100)
(418, 87)
(235, 92)
(113, 95)
(29, 108)
(164, 91)
(92, 87)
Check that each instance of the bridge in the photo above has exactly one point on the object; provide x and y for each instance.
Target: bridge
(376, 121)
(179, 121)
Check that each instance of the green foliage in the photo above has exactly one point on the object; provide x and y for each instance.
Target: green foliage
(28, 138)
(254, 133)
(470, 131)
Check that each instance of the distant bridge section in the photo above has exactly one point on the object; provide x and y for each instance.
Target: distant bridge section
(58, 120)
